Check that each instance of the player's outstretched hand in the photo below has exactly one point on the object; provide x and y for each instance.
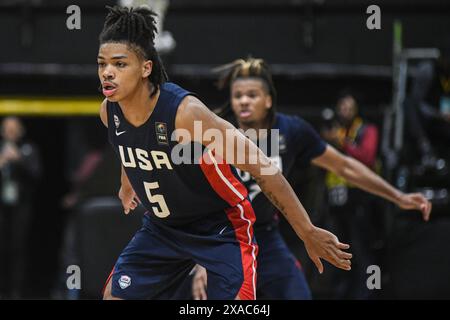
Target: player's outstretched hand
(415, 201)
(129, 199)
(321, 244)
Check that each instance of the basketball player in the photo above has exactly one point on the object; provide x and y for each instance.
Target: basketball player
(253, 101)
(199, 212)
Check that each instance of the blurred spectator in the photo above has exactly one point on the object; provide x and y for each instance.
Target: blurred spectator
(352, 208)
(427, 110)
(94, 176)
(19, 169)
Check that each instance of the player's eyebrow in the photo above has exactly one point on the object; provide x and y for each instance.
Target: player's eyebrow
(116, 57)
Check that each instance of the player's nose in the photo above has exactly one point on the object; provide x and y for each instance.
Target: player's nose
(244, 100)
(108, 73)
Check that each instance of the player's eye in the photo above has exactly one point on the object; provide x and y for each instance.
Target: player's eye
(101, 64)
(120, 64)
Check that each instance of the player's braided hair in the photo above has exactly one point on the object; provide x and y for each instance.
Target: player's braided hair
(137, 28)
(246, 68)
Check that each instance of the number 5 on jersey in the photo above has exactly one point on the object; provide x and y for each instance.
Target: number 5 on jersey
(163, 210)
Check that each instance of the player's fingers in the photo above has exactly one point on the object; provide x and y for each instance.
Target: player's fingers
(205, 281)
(427, 211)
(341, 263)
(136, 198)
(196, 295)
(345, 255)
(318, 264)
(203, 295)
(198, 289)
(342, 246)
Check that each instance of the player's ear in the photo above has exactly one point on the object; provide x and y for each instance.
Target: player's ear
(147, 68)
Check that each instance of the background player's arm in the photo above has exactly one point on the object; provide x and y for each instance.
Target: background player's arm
(126, 194)
(358, 174)
(318, 242)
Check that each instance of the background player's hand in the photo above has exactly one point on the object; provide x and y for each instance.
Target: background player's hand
(199, 283)
(321, 244)
(415, 201)
(129, 199)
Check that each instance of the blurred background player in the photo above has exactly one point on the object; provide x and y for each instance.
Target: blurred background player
(252, 105)
(20, 170)
(197, 212)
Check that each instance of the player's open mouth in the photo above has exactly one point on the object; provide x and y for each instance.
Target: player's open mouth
(245, 114)
(109, 89)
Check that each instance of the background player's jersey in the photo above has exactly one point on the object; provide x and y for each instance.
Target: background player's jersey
(298, 141)
(173, 193)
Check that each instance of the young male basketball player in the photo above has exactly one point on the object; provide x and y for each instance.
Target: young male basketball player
(197, 212)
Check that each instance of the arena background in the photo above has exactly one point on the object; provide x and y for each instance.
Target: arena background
(316, 48)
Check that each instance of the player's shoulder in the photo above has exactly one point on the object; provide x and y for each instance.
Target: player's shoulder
(173, 90)
(170, 86)
(289, 121)
(191, 107)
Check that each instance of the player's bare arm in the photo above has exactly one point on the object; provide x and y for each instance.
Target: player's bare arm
(358, 174)
(318, 242)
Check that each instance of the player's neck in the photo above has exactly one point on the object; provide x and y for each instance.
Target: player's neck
(139, 106)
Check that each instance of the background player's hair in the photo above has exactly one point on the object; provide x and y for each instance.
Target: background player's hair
(137, 28)
(247, 68)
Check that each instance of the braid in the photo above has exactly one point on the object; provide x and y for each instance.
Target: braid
(137, 28)
(246, 68)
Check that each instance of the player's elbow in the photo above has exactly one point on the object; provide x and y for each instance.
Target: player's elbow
(345, 167)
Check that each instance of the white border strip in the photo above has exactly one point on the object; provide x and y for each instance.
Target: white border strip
(253, 249)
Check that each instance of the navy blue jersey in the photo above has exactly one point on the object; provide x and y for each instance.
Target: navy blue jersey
(174, 193)
(298, 141)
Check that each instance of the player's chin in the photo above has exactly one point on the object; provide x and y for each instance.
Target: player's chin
(246, 120)
(114, 98)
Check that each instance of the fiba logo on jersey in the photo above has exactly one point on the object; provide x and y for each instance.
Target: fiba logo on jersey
(161, 133)
(116, 121)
